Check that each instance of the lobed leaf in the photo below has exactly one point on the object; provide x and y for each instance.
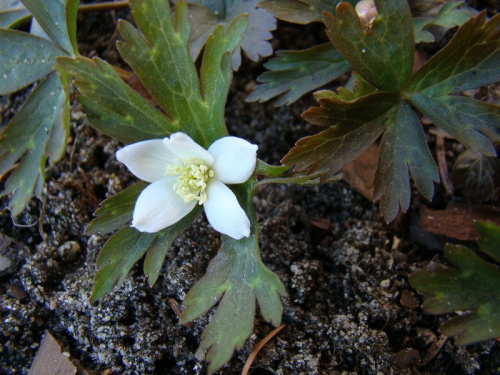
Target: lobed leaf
(52, 15)
(383, 54)
(403, 149)
(301, 11)
(25, 58)
(216, 73)
(237, 278)
(449, 16)
(161, 245)
(355, 88)
(160, 57)
(128, 245)
(115, 212)
(356, 118)
(469, 60)
(356, 125)
(471, 285)
(206, 15)
(471, 122)
(112, 106)
(37, 132)
(294, 73)
(117, 257)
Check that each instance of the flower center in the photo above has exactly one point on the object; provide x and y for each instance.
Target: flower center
(192, 181)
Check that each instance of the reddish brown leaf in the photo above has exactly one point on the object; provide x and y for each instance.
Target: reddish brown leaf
(360, 173)
(457, 220)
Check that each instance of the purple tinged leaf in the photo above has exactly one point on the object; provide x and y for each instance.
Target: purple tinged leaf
(356, 125)
(403, 149)
(383, 53)
(471, 122)
(469, 60)
(294, 73)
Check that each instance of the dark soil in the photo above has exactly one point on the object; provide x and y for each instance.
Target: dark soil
(349, 307)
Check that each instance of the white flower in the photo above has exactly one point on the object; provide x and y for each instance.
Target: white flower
(184, 174)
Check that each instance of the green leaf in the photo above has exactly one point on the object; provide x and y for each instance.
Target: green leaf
(403, 149)
(25, 58)
(216, 73)
(117, 257)
(11, 18)
(52, 16)
(448, 17)
(71, 15)
(383, 54)
(301, 11)
(206, 15)
(421, 35)
(37, 131)
(489, 243)
(356, 125)
(471, 122)
(471, 285)
(355, 88)
(161, 59)
(356, 118)
(112, 106)
(127, 246)
(115, 212)
(469, 60)
(161, 245)
(294, 73)
(476, 175)
(237, 278)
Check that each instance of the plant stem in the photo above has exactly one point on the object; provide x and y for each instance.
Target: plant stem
(112, 5)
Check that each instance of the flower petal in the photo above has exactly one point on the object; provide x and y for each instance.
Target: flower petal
(223, 211)
(148, 160)
(185, 148)
(159, 206)
(234, 159)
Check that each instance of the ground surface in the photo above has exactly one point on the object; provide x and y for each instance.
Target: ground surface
(349, 307)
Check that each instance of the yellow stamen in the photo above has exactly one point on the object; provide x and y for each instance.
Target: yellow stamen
(192, 181)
